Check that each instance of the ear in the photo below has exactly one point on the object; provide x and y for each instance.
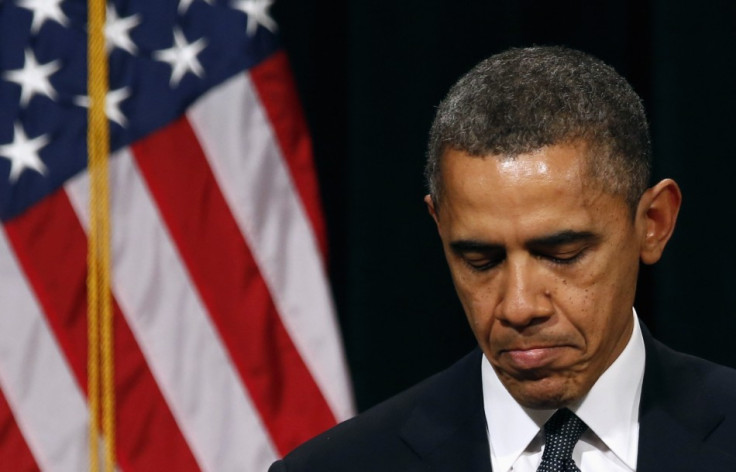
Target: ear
(657, 215)
(432, 210)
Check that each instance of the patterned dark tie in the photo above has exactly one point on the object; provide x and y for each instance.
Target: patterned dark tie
(561, 433)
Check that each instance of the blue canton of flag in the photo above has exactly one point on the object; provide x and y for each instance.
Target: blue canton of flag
(162, 58)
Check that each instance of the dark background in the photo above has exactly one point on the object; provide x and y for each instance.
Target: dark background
(370, 74)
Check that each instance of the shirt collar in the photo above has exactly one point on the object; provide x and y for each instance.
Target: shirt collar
(610, 409)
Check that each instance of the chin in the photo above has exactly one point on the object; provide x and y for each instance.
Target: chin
(544, 394)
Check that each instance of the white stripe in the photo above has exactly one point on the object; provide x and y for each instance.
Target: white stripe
(247, 163)
(48, 406)
(174, 331)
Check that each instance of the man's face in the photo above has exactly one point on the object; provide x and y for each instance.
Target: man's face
(545, 264)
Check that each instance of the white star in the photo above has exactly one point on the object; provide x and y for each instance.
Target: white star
(44, 10)
(33, 78)
(23, 153)
(117, 30)
(184, 5)
(182, 57)
(257, 11)
(112, 104)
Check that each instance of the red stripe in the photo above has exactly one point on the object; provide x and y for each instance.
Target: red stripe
(52, 249)
(275, 85)
(13, 447)
(222, 267)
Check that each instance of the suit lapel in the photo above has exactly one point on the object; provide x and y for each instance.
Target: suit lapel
(671, 433)
(447, 429)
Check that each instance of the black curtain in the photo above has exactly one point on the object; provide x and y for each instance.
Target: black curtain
(370, 74)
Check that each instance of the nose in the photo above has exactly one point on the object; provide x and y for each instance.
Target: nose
(525, 299)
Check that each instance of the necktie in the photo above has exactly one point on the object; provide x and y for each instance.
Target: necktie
(561, 433)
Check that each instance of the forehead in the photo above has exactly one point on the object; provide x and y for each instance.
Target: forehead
(547, 189)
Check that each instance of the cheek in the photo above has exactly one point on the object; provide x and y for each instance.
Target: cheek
(575, 307)
(615, 284)
(478, 303)
(598, 302)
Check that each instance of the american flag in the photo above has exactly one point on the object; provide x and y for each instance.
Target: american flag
(227, 351)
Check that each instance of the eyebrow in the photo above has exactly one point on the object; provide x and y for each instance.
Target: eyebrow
(469, 245)
(558, 238)
(561, 238)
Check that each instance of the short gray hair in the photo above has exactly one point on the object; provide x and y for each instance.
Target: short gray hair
(521, 100)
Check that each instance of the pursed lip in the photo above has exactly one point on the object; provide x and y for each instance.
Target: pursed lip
(535, 357)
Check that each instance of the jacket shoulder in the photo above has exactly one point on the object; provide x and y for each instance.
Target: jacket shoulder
(702, 381)
(698, 394)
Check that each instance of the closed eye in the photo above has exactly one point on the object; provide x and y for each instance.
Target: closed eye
(565, 257)
(564, 247)
(477, 255)
(483, 262)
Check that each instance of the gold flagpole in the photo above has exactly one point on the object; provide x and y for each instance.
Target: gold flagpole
(100, 360)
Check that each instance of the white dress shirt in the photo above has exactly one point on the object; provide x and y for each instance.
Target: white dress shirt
(610, 409)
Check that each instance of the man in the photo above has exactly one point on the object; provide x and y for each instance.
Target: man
(538, 166)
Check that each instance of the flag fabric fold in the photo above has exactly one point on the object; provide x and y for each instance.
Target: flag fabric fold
(227, 351)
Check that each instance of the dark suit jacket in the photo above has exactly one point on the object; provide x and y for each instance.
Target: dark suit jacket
(687, 423)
